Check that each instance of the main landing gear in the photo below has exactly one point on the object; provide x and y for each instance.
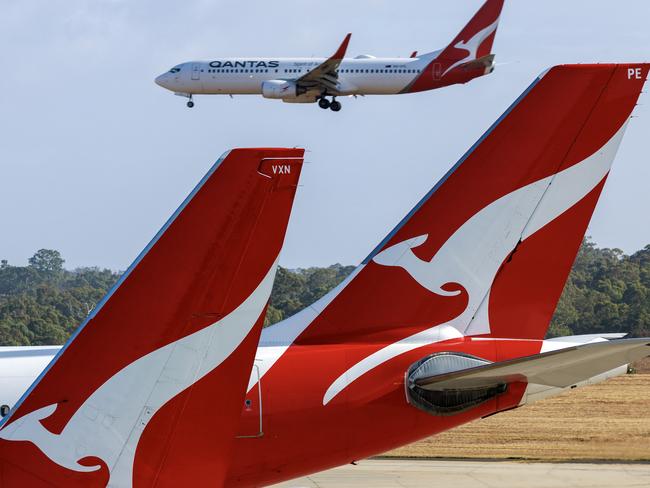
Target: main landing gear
(334, 105)
(190, 103)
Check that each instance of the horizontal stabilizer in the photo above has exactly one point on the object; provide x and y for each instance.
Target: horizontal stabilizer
(486, 63)
(560, 368)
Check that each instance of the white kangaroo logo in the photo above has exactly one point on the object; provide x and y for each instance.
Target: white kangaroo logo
(110, 422)
(473, 254)
(472, 45)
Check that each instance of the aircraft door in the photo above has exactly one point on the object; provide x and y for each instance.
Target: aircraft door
(196, 71)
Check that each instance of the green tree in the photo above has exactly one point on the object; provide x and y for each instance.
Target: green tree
(43, 303)
(47, 261)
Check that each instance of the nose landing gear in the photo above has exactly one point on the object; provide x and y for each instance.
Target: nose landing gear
(190, 103)
(334, 105)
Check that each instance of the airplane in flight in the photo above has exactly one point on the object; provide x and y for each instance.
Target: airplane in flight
(310, 80)
(168, 351)
(442, 324)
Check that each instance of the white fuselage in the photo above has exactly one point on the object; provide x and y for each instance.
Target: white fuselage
(244, 76)
(19, 367)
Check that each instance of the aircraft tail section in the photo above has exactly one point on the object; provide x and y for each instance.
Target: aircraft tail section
(487, 251)
(475, 40)
(467, 56)
(150, 388)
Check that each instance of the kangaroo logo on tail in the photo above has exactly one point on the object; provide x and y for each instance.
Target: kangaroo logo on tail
(472, 255)
(111, 421)
(472, 45)
(426, 273)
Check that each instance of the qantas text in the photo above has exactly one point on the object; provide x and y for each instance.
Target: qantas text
(244, 64)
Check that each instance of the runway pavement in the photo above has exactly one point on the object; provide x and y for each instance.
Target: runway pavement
(469, 474)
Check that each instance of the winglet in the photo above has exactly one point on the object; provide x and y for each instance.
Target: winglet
(340, 52)
(414, 54)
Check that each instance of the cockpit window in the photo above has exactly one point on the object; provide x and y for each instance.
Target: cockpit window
(175, 70)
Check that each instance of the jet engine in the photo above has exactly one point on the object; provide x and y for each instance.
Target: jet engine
(279, 89)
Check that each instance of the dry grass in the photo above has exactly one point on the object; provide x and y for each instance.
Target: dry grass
(608, 421)
(642, 366)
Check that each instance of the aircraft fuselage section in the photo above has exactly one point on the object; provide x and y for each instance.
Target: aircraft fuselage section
(245, 76)
(300, 434)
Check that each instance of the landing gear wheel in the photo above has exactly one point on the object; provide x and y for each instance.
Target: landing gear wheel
(324, 103)
(335, 106)
(190, 104)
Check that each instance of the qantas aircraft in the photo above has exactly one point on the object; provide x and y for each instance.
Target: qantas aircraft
(167, 352)
(309, 80)
(443, 323)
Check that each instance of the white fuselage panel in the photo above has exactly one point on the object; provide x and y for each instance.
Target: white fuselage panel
(244, 76)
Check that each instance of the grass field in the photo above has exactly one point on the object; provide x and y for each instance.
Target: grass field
(608, 421)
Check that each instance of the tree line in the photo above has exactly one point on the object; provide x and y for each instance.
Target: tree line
(43, 303)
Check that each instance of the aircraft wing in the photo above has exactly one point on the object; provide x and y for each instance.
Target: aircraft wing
(325, 75)
(560, 368)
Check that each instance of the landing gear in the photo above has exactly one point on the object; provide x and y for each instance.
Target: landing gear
(324, 103)
(190, 103)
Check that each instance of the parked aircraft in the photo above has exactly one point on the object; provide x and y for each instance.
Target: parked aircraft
(167, 352)
(309, 80)
(443, 323)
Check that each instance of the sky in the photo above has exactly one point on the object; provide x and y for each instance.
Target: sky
(94, 156)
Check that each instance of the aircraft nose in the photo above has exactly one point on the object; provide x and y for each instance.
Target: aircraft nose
(163, 80)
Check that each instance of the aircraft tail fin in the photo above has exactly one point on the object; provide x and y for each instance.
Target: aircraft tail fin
(150, 388)
(468, 56)
(477, 37)
(488, 249)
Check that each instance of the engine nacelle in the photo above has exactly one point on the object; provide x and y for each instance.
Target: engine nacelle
(279, 89)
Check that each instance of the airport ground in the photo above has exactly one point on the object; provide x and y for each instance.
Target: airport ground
(596, 436)
(391, 473)
(609, 421)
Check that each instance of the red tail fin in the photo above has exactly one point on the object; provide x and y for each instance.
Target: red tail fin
(476, 39)
(150, 388)
(488, 249)
(467, 56)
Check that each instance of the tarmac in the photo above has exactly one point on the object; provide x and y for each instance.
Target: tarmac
(389, 473)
